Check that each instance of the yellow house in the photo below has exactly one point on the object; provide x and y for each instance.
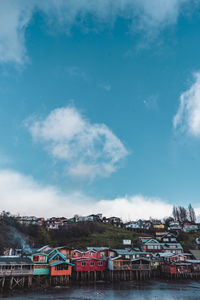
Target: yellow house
(160, 226)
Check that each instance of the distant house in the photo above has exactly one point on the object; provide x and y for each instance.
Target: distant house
(175, 248)
(159, 226)
(174, 226)
(135, 225)
(197, 240)
(188, 227)
(168, 238)
(114, 221)
(103, 252)
(170, 257)
(150, 245)
(84, 254)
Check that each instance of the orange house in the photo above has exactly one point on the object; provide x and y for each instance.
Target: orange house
(61, 268)
(66, 251)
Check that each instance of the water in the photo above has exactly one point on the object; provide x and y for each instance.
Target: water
(156, 290)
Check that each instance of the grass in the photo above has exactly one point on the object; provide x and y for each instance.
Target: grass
(112, 237)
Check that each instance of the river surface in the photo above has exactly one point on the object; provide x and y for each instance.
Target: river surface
(159, 290)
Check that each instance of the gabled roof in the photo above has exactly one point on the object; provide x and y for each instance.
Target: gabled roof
(97, 249)
(142, 258)
(168, 233)
(40, 253)
(86, 251)
(56, 253)
(151, 241)
(55, 263)
(125, 252)
(176, 246)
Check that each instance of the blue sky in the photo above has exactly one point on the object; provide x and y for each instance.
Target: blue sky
(100, 106)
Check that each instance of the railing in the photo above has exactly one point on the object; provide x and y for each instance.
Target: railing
(141, 267)
(15, 272)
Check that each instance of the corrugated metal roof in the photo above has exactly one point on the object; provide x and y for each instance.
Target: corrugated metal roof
(15, 260)
(196, 253)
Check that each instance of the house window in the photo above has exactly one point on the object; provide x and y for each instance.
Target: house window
(61, 267)
(35, 258)
(92, 263)
(100, 263)
(83, 264)
(42, 258)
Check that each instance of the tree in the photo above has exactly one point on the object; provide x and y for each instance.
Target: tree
(168, 220)
(175, 213)
(182, 214)
(191, 214)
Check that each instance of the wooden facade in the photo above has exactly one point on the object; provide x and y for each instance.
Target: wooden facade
(89, 264)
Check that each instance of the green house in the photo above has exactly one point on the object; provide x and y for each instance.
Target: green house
(41, 266)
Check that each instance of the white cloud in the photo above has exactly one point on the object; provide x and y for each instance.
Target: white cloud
(187, 118)
(15, 16)
(75, 71)
(90, 150)
(105, 86)
(22, 194)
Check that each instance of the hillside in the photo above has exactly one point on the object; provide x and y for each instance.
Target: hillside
(78, 235)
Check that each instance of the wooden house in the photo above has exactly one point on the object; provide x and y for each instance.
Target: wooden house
(150, 245)
(85, 253)
(89, 264)
(182, 257)
(103, 252)
(178, 268)
(195, 265)
(119, 264)
(122, 264)
(60, 268)
(15, 266)
(188, 227)
(167, 238)
(175, 248)
(142, 264)
(66, 251)
(41, 265)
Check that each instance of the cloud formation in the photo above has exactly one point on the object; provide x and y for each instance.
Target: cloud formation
(15, 16)
(22, 194)
(187, 118)
(90, 150)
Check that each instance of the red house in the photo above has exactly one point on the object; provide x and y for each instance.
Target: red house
(176, 268)
(103, 252)
(89, 264)
(85, 254)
